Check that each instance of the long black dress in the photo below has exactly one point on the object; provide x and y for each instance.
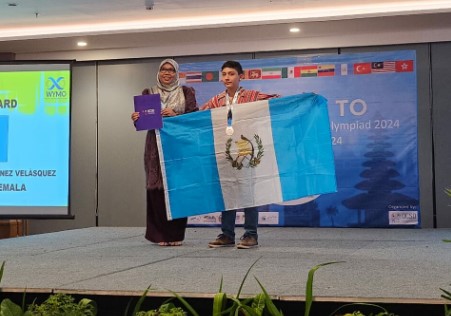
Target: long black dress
(158, 228)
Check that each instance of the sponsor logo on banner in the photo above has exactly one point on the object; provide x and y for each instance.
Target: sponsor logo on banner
(362, 68)
(264, 218)
(404, 66)
(252, 74)
(383, 66)
(403, 217)
(208, 219)
(268, 218)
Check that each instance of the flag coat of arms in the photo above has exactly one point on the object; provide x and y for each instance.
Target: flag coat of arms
(280, 150)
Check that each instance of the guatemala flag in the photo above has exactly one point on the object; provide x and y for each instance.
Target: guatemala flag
(280, 150)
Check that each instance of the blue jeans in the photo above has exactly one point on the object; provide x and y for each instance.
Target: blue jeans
(250, 222)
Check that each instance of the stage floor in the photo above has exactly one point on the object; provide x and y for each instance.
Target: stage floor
(378, 265)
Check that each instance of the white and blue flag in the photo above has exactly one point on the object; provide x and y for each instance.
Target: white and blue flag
(280, 150)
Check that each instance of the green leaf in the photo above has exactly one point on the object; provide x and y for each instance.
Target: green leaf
(127, 308)
(248, 311)
(8, 308)
(447, 294)
(140, 301)
(384, 311)
(258, 303)
(220, 284)
(1, 270)
(245, 277)
(272, 309)
(24, 299)
(88, 306)
(219, 303)
(309, 286)
(186, 304)
(234, 309)
(447, 311)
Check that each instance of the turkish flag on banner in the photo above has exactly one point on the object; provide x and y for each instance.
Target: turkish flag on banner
(362, 68)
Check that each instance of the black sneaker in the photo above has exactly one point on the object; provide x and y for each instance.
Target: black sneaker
(221, 241)
(247, 241)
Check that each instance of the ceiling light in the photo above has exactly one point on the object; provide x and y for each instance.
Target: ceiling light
(295, 30)
(82, 43)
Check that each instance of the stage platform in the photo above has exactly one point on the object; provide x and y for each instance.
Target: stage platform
(378, 265)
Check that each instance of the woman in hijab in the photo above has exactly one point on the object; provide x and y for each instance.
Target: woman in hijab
(175, 100)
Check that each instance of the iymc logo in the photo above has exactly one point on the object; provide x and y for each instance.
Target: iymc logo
(56, 87)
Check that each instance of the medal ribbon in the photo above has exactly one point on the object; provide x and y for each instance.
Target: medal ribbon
(230, 107)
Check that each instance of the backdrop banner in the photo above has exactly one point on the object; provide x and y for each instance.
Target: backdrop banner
(372, 104)
(280, 150)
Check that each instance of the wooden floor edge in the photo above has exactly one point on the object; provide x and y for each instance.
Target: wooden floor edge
(285, 298)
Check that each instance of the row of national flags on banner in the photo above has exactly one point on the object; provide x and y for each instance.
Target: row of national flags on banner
(299, 71)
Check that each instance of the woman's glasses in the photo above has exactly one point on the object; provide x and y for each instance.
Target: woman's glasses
(167, 70)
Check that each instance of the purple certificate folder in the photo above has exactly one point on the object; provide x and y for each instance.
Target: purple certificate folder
(149, 108)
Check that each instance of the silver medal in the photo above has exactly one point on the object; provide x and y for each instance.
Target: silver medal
(229, 130)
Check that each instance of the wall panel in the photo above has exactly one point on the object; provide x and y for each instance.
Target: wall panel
(441, 101)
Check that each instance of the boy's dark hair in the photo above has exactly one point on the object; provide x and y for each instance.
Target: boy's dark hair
(234, 65)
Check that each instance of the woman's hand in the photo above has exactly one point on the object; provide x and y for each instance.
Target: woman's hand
(168, 112)
(135, 116)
